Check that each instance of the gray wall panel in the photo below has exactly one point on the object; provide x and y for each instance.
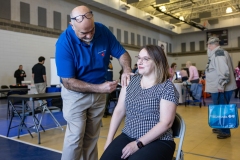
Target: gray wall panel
(213, 21)
(42, 17)
(5, 9)
(238, 42)
(204, 14)
(154, 42)
(149, 40)
(24, 12)
(126, 37)
(162, 1)
(138, 40)
(201, 45)
(68, 20)
(183, 47)
(111, 29)
(57, 20)
(192, 46)
(144, 41)
(132, 1)
(132, 39)
(170, 48)
(119, 37)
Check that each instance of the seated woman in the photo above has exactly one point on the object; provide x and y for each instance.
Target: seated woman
(149, 103)
(184, 74)
(172, 72)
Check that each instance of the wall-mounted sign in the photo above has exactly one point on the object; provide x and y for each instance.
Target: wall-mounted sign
(221, 34)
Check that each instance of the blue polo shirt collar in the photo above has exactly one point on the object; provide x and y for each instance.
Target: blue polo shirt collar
(77, 40)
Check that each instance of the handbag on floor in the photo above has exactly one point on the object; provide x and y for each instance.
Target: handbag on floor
(223, 115)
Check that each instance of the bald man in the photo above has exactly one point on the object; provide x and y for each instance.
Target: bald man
(82, 57)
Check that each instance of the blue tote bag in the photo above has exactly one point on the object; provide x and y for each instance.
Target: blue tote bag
(223, 115)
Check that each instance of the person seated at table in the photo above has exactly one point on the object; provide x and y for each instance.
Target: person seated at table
(201, 75)
(184, 75)
(149, 103)
(193, 73)
(135, 68)
(172, 72)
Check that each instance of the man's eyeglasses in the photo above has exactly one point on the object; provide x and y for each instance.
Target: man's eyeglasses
(80, 18)
(143, 59)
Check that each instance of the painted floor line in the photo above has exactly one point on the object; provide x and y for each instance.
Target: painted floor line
(39, 146)
(39, 131)
(201, 155)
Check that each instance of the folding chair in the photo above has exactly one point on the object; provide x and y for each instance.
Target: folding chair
(4, 94)
(22, 110)
(51, 104)
(178, 129)
(45, 108)
(189, 98)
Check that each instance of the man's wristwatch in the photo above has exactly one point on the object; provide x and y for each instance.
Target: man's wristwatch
(139, 144)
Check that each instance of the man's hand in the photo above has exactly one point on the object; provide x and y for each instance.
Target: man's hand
(220, 90)
(126, 78)
(129, 149)
(108, 87)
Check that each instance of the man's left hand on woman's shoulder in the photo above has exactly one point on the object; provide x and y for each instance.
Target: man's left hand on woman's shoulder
(126, 76)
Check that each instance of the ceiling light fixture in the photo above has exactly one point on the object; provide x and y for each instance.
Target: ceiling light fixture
(149, 17)
(181, 18)
(229, 10)
(125, 7)
(163, 8)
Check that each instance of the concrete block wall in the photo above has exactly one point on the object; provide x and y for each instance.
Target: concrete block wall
(20, 48)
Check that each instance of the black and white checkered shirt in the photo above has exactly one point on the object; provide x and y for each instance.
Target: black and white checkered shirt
(143, 109)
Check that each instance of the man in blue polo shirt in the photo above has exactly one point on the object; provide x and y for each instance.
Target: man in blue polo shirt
(82, 57)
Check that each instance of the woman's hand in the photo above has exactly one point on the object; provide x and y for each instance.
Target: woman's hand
(129, 149)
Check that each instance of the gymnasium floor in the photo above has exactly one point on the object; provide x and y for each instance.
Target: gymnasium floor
(199, 143)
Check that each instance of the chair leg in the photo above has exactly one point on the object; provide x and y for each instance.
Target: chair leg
(38, 123)
(24, 124)
(9, 126)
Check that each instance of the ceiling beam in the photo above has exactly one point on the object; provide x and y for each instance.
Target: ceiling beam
(193, 24)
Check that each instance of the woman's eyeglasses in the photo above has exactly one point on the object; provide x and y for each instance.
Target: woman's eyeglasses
(143, 59)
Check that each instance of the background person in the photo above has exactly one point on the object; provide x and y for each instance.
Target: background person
(19, 75)
(149, 103)
(193, 73)
(82, 58)
(39, 75)
(220, 80)
(184, 75)
(172, 72)
(135, 68)
(237, 75)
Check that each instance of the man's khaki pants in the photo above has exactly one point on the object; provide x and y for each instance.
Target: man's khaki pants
(40, 87)
(83, 113)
